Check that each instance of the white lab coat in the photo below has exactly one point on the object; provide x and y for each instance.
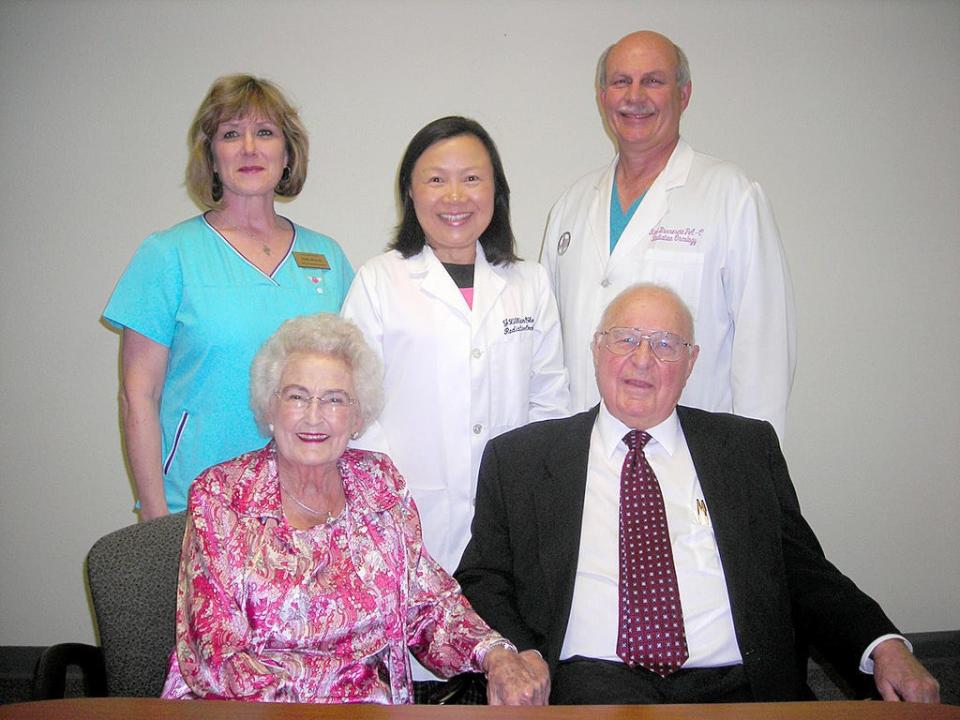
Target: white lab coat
(707, 231)
(456, 377)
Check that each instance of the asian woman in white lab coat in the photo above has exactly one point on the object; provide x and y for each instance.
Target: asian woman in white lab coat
(469, 333)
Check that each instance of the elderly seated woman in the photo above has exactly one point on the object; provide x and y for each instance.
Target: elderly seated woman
(303, 576)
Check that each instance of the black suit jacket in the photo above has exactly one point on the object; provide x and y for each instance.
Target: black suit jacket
(519, 568)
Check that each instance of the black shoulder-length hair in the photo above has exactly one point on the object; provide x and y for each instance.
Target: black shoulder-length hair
(497, 241)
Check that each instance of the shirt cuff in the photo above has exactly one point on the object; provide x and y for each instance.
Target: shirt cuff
(866, 662)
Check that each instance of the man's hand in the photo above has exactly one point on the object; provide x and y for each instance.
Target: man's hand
(516, 679)
(900, 676)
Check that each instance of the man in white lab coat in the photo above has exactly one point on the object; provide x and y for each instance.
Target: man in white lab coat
(662, 212)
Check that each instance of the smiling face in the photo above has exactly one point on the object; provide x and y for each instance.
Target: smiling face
(638, 389)
(249, 155)
(313, 436)
(641, 99)
(452, 188)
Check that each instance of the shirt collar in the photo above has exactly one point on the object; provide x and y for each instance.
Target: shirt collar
(612, 430)
(370, 481)
(366, 483)
(256, 493)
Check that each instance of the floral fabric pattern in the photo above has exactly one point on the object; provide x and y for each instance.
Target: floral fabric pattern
(272, 613)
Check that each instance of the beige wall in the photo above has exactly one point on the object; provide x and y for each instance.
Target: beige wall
(847, 112)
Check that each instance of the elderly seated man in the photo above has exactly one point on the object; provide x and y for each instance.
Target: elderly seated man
(710, 581)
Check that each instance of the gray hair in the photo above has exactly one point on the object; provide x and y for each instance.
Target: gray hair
(324, 334)
(683, 67)
(652, 287)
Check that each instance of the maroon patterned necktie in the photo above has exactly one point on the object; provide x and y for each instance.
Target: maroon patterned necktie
(651, 619)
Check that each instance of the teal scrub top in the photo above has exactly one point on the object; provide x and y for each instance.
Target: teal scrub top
(618, 218)
(187, 288)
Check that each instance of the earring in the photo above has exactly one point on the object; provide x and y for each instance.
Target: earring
(217, 190)
(354, 435)
(271, 428)
(284, 178)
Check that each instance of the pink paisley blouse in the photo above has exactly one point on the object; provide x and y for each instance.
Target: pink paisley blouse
(269, 612)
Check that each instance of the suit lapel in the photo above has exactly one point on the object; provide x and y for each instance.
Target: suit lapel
(559, 507)
(488, 285)
(724, 492)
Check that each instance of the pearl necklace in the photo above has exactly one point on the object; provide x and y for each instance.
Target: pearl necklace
(329, 515)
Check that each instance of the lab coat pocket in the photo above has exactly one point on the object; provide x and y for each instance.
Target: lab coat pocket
(509, 361)
(679, 269)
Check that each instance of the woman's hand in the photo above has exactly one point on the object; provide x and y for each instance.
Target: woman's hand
(516, 679)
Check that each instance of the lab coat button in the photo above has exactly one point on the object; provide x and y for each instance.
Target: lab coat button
(606, 282)
(477, 429)
(477, 352)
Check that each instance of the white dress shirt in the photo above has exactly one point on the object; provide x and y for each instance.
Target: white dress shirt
(708, 622)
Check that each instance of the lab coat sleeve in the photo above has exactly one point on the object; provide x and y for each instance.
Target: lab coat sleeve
(760, 298)
(549, 381)
(362, 306)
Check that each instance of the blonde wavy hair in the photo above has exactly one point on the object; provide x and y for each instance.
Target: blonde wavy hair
(236, 96)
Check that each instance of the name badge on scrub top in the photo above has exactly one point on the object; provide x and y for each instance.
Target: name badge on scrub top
(311, 260)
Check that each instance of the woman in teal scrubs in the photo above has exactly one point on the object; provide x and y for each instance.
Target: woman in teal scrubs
(198, 299)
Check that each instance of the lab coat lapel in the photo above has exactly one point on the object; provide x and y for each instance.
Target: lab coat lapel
(600, 213)
(436, 281)
(636, 236)
(487, 286)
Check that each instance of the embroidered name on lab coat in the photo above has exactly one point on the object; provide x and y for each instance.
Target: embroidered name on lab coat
(687, 235)
(517, 324)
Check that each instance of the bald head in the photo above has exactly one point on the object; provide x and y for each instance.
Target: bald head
(657, 296)
(646, 39)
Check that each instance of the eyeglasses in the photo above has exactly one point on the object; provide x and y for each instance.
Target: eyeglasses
(332, 402)
(665, 345)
